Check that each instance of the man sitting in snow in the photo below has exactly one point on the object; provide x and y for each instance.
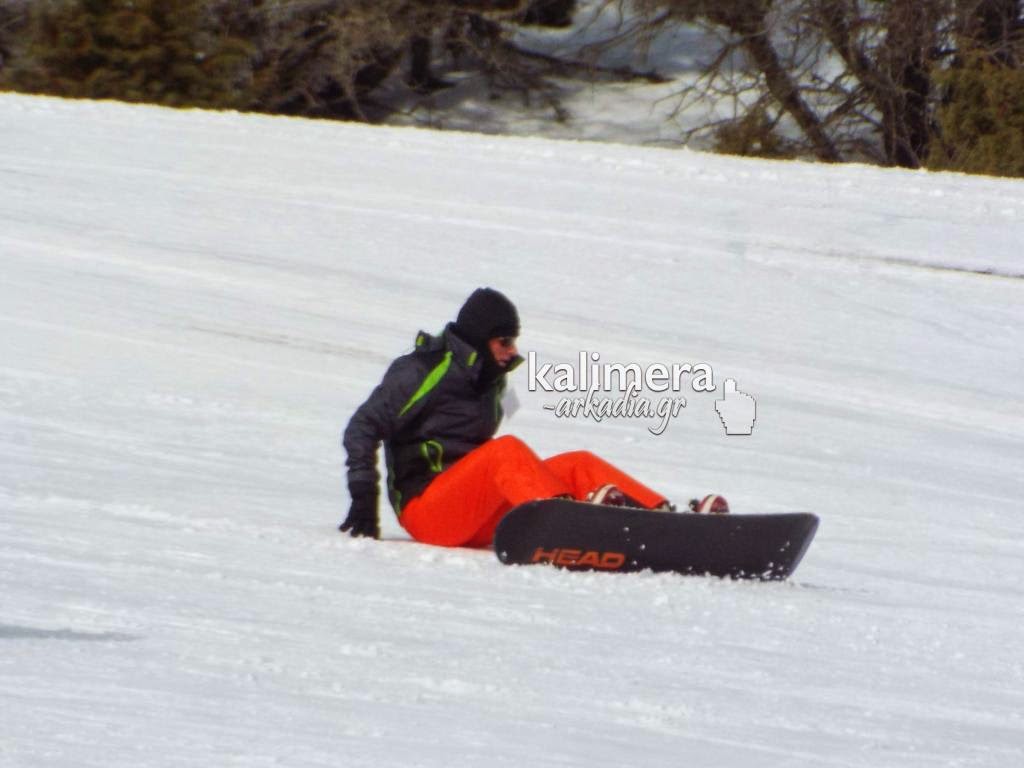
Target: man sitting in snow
(449, 480)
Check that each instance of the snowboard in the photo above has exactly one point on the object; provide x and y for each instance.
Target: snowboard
(580, 536)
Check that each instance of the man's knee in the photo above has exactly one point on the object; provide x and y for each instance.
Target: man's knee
(509, 444)
(574, 458)
(509, 452)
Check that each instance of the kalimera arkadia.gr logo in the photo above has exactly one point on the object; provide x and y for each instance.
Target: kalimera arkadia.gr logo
(598, 390)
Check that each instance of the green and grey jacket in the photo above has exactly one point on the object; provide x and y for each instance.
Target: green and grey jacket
(431, 409)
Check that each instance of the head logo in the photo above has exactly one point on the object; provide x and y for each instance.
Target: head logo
(580, 558)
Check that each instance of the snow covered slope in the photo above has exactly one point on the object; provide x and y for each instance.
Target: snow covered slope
(192, 304)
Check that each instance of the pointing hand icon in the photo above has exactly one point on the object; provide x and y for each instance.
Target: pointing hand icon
(737, 410)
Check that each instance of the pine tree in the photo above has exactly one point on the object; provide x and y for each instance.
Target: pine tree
(132, 50)
(982, 120)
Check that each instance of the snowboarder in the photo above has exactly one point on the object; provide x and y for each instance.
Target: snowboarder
(450, 481)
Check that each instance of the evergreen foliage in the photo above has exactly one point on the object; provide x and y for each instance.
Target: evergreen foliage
(981, 120)
(132, 50)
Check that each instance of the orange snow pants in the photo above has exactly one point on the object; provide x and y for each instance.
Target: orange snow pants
(463, 505)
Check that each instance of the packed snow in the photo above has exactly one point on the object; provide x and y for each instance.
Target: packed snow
(193, 304)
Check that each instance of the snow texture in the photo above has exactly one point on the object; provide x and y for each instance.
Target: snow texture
(192, 305)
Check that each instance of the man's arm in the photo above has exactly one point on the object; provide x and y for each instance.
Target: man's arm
(377, 419)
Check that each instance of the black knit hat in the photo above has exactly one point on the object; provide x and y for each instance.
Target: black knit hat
(487, 314)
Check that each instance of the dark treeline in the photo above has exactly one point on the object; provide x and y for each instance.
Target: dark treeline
(320, 58)
(912, 83)
(310, 57)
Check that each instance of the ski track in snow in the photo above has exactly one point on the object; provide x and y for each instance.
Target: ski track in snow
(193, 304)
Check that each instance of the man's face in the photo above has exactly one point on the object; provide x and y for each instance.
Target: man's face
(503, 350)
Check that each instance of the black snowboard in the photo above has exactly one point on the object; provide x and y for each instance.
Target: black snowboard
(580, 536)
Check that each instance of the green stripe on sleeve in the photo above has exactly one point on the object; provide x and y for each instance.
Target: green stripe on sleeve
(429, 383)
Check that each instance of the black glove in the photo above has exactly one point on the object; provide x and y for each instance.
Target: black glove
(362, 515)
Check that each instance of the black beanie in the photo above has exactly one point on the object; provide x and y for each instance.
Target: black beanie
(487, 314)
